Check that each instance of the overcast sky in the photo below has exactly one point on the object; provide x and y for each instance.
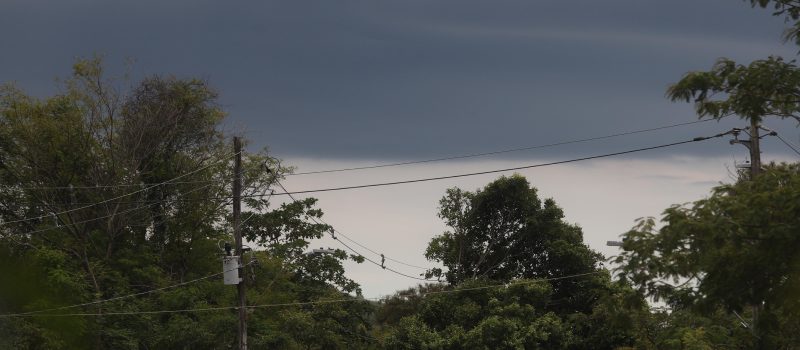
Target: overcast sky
(329, 84)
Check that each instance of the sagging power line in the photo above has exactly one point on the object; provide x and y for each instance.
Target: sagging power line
(114, 198)
(307, 303)
(393, 183)
(333, 235)
(432, 160)
(483, 154)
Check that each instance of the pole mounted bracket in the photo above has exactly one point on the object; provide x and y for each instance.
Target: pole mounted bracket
(736, 132)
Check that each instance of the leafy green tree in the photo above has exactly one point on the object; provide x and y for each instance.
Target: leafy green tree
(78, 210)
(502, 244)
(734, 249)
(763, 88)
(505, 231)
(482, 317)
(769, 87)
(686, 329)
(789, 9)
(519, 315)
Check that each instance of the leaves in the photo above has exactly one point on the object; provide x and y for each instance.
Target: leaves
(81, 214)
(769, 87)
(504, 231)
(735, 249)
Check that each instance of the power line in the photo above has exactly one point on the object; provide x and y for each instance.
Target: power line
(306, 303)
(100, 187)
(290, 194)
(110, 186)
(119, 297)
(473, 155)
(383, 266)
(697, 139)
(788, 144)
(392, 183)
(109, 200)
(350, 248)
(108, 216)
(376, 253)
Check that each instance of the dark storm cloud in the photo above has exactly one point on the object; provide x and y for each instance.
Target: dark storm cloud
(409, 79)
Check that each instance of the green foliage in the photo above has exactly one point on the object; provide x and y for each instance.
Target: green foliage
(503, 242)
(789, 9)
(767, 87)
(732, 250)
(505, 231)
(483, 315)
(763, 88)
(510, 317)
(97, 143)
(684, 329)
(736, 249)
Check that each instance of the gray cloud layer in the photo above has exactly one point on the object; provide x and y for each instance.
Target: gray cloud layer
(410, 79)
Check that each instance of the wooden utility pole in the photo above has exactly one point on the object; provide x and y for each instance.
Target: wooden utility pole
(237, 232)
(755, 149)
(754, 146)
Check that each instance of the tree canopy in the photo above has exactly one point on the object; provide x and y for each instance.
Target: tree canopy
(735, 249)
(505, 231)
(109, 192)
(518, 276)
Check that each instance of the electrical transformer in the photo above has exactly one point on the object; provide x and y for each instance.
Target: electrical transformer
(230, 268)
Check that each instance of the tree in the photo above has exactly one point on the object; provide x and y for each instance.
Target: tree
(481, 317)
(734, 249)
(502, 244)
(88, 207)
(505, 231)
(521, 314)
(789, 9)
(768, 87)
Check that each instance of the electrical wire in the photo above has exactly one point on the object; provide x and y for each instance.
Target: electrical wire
(376, 253)
(123, 296)
(473, 155)
(95, 187)
(111, 199)
(392, 183)
(350, 248)
(427, 179)
(110, 215)
(290, 194)
(788, 144)
(110, 186)
(317, 302)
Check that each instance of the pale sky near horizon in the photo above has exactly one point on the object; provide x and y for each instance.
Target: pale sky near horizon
(335, 84)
